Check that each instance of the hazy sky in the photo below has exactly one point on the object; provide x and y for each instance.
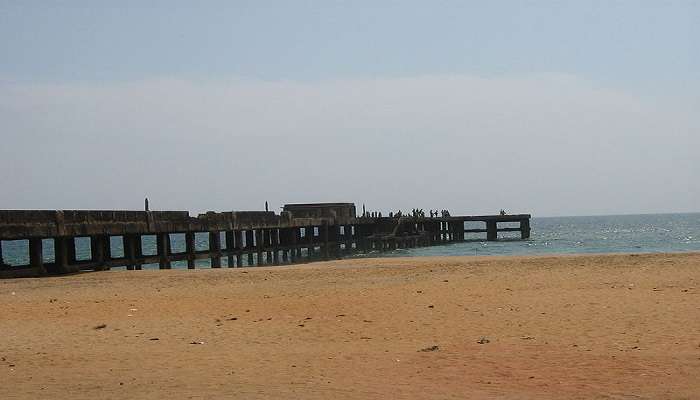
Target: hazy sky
(549, 107)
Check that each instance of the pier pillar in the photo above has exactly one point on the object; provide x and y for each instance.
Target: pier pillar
(309, 230)
(249, 244)
(129, 242)
(324, 240)
(99, 251)
(362, 239)
(334, 237)
(297, 240)
(163, 248)
(215, 249)
(239, 248)
(275, 246)
(230, 246)
(70, 248)
(2, 260)
(36, 255)
(293, 233)
(259, 240)
(60, 252)
(190, 249)
(285, 241)
(138, 246)
(267, 239)
(491, 231)
(525, 229)
(349, 238)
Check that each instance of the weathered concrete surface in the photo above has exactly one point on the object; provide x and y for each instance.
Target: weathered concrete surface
(266, 234)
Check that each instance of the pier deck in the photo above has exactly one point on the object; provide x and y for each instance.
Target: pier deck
(300, 233)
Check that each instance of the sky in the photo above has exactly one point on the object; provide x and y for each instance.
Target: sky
(546, 107)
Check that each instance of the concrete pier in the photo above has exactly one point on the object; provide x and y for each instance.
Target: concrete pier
(330, 230)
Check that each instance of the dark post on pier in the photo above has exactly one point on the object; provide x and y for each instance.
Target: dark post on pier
(300, 233)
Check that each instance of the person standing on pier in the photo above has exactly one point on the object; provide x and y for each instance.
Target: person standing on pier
(145, 204)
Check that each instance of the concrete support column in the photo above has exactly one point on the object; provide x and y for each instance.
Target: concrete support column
(129, 241)
(190, 249)
(360, 237)
(348, 239)
(334, 236)
(215, 249)
(525, 229)
(292, 244)
(36, 255)
(267, 240)
(324, 240)
(99, 251)
(260, 242)
(62, 255)
(310, 238)
(230, 246)
(163, 248)
(138, 246)
(70, 248)
(274, 233)
(297, 240)
(491, 231)
(239, 247)
(286, 241)
(249, 245)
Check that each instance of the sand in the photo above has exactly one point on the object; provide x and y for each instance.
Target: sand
(565, 327)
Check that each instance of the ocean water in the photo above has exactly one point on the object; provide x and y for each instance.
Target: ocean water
(650, 233)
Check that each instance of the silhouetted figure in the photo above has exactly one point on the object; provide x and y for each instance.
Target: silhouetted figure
(145, 204)
(266, 209)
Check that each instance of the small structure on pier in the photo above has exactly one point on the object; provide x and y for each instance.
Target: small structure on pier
(300, 233)
(321, 210)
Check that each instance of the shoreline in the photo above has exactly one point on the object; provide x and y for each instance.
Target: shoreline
(535, 326)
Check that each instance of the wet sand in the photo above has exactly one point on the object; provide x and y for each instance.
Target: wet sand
(574, 327)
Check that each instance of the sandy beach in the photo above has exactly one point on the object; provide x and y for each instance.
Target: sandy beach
(575, 327)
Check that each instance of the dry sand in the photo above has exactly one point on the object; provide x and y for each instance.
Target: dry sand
(611, 327)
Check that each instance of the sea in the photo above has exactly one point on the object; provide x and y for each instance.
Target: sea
(648, 233)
